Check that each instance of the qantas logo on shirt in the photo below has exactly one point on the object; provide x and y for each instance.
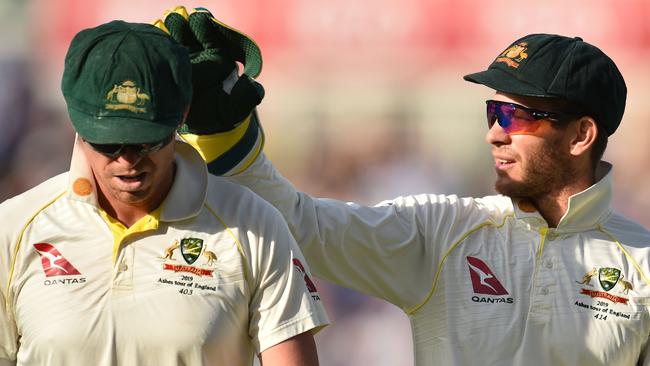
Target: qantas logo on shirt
(485, 282)
(483, 279)
(54, 264)
(308, 282)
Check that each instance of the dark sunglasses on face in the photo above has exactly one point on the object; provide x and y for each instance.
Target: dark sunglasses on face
(115, 150)
(515, 118)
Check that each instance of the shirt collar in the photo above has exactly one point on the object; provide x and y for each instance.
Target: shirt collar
(190, 187)
(184, 200)
(585, 209)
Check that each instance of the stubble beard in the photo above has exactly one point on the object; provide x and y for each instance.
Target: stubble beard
(546, 172)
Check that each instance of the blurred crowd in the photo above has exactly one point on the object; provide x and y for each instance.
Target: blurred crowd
(365, 102)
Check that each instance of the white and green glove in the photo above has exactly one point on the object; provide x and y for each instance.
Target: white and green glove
(222, 123)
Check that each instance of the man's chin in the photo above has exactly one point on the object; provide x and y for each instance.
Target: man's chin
(509, 188)
(132, 198)
(527, 190)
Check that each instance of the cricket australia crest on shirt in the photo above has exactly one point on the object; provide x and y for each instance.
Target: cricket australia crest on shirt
(191, 250)
(608, 277)
(610, 280)
(189, 267)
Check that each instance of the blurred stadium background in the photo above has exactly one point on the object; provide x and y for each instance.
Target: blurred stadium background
(365, 101)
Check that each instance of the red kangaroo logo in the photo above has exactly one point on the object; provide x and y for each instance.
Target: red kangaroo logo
(483, 280)
(54, 264)
(310, 285)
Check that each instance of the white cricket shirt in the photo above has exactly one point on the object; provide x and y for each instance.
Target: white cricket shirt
(485, 281)
(212, 277)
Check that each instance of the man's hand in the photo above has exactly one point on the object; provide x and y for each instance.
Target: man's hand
(221, 97)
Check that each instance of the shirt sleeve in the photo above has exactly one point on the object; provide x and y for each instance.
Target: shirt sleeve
(391, 251)
(8, 339)
(15, 213)
(8, 332)
(644, 358)
(284, 301)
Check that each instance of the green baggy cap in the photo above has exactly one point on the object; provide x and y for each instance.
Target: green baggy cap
(126, 83)
(553, 66)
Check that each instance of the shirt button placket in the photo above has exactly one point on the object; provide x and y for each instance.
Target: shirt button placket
(548, 264)
(123, 276)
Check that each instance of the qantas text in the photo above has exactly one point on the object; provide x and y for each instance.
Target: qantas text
(493, 300)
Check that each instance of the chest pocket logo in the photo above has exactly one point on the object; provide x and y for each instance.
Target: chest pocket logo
(54, 264)
(191, 249)
(483, 280)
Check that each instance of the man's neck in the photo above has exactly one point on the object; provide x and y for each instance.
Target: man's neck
(553, 205)
(126, 214)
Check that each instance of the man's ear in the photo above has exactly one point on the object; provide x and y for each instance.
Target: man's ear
(586, 131)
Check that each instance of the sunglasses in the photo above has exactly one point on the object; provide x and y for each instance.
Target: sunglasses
(115, 150)
(517, 119)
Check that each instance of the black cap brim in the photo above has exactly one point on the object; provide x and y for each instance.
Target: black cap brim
(504, 82)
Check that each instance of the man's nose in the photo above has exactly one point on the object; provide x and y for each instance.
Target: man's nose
(497, 136)
(130, 154)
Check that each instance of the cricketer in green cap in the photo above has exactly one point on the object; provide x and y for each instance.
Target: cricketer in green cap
(126, 83)
(143, 257)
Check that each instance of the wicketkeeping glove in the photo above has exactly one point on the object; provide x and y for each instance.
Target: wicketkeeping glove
(221, 97)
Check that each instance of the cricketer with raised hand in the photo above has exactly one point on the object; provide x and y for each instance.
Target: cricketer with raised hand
(543, 273)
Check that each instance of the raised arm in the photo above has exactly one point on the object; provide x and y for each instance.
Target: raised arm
(388, 251)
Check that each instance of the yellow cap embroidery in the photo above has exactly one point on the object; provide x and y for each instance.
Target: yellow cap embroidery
(514, 54)
(126, 96)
